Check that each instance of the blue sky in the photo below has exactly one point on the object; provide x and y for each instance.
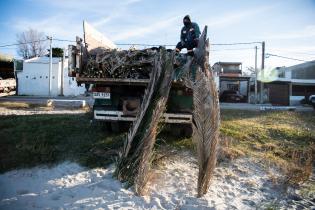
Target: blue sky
(287, 26)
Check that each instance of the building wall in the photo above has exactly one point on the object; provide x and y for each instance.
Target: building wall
(70, 85)
(278, 93)
(227, 68)
(34, 79)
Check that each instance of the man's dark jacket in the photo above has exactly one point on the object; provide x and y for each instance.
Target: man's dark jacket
(189, 33)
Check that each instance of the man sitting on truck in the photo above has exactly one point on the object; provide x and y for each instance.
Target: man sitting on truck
(189, 36)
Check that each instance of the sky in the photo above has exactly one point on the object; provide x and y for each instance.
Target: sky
(287, 26)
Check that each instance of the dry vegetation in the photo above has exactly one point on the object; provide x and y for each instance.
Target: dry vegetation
(18, 105)
(282, 139)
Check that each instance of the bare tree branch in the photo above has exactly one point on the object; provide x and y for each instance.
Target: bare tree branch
(31, 44)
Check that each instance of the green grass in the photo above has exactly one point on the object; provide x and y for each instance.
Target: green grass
(44, 139)
(285, 139)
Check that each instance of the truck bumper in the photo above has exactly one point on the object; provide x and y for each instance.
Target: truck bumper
(119, 116)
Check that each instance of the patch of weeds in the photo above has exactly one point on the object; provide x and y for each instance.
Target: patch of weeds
(46, 139)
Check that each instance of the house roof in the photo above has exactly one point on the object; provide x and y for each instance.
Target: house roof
(42, 60)
(307, 65)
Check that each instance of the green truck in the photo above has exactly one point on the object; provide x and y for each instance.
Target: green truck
(118, 100)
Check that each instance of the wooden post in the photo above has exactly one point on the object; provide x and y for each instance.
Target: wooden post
(256, 74)
(262, 74)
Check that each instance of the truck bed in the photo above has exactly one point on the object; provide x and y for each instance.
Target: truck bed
(109, 81)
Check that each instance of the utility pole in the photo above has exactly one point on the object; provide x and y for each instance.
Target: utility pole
(62, 70)
(256, 73)
(50, 64)
(262, 72)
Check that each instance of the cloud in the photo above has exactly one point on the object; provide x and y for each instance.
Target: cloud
(306, 32)
(62, 26)
(230, 18)
(295, 49)
(67, 23)
(116, 11)
(141, 31)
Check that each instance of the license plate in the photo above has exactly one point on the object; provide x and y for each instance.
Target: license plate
(101, 95)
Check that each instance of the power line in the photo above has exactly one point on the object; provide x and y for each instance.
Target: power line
(149, 45)
(63, 40)
(166, 45)
(236, 49)
(16, 44)
(236, 43)
(289, 58)
(304, 53)
(172, 45)
(136, 44)
(9, 45)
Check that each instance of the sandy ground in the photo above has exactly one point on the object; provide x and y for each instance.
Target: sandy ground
(243, 184)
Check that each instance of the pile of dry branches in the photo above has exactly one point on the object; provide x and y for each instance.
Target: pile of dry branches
(104, 63)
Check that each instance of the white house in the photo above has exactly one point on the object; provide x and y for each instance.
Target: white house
(34, 78)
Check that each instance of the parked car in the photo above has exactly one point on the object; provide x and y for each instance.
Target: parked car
(231, 96)
(312, 100)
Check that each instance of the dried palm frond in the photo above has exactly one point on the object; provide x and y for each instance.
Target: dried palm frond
(206, 114)
(206, 118)
(149, 138)
(135, 160)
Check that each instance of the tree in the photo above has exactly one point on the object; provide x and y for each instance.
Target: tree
(31, 43)
(57, 52)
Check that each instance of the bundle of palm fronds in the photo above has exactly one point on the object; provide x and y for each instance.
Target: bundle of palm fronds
(105, 63)
(134, 162)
